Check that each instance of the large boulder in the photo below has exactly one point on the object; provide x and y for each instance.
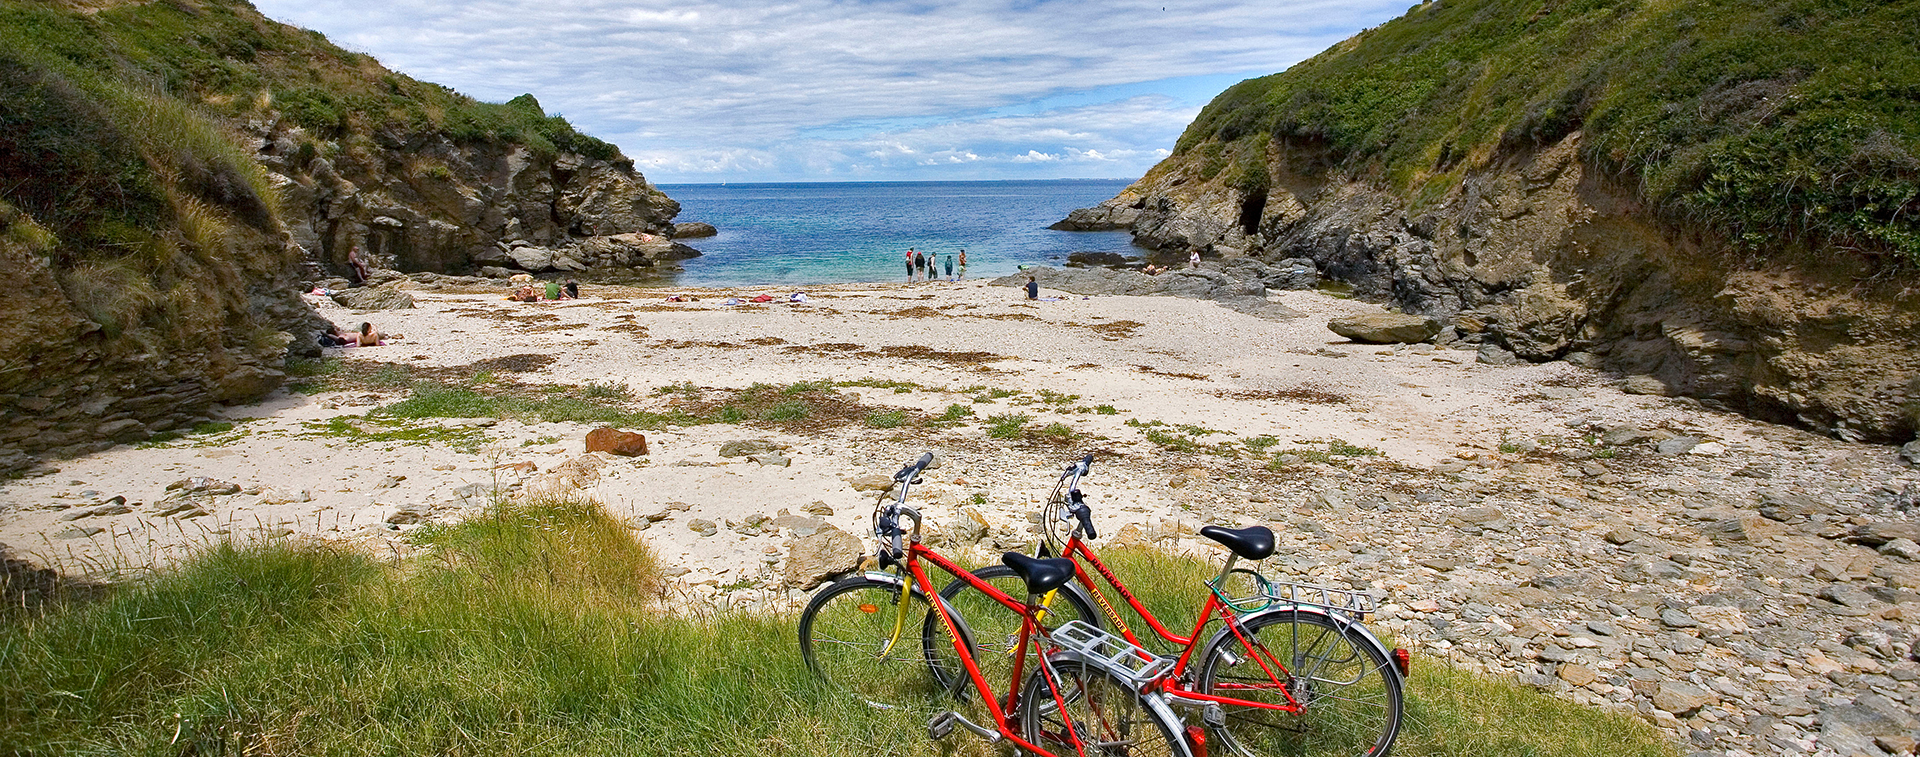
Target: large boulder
(1385, 328)
(822, 556)
(693, 230)
(614, 441)
(533, 259)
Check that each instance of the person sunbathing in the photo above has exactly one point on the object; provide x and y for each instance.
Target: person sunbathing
(368, 337)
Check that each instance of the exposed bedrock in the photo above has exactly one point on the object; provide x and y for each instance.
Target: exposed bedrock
(1547, 258)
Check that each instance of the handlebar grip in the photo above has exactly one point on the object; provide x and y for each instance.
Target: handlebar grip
(914, 468)
(1086, 524)
(1086, 463)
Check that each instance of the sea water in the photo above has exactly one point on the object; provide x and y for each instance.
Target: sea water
(842, 232)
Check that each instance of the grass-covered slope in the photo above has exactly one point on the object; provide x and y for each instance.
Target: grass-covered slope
(539, 629)
(1766, 122)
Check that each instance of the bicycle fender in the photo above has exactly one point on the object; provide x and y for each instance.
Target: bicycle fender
(1339, 620)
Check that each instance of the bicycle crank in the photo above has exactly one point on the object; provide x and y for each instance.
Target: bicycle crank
(942, 725)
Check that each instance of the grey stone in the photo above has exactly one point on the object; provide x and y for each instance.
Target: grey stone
(1910, 453)
(693, 230)
(1493, 354)
(1620, 436)
(1677, 619)
(771, 458)
(1845, 594)
(1646, 385)
(1881, 532)
(533, 259)
(1677, 446)
(374, 298)
(1902, 548)
(703, 527)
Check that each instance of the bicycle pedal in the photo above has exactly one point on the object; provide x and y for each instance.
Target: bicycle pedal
(941, 725)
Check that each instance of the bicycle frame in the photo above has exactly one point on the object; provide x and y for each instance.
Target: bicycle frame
(1030, 628)
(1082, 555)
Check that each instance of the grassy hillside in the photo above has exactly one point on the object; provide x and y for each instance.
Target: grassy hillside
(537, 630)
(1768, 122)
(104, 114)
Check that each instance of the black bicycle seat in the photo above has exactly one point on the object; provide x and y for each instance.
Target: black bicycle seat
(1252, 542)
(1042, 574)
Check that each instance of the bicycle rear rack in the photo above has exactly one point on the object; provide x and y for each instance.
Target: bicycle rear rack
(1356, 604)
(1138, 666)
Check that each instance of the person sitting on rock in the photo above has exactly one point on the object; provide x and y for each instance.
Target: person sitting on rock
(1033, 289)
(356, 267)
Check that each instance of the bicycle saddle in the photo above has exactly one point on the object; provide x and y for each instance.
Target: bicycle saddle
(1041, 574)
(1252, 542)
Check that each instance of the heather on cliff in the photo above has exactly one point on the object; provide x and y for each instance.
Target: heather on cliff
(1761, 121)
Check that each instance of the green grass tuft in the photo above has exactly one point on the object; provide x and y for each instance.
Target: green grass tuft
(1006, 425)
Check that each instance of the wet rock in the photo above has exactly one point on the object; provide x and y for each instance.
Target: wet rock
(616, 442)
(1385, 328)
(821, 557)
(693, 230)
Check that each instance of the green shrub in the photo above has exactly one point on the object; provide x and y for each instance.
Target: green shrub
(1006, 425)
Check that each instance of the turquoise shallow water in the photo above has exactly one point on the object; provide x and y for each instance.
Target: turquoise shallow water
(831, 233)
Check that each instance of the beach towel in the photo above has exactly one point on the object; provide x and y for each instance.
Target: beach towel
(764, 298)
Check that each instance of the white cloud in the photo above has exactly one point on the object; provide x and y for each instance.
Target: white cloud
(700, 79)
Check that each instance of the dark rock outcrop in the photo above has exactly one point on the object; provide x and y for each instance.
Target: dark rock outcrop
(1238, 294)
(1543, 257)
(693, 230)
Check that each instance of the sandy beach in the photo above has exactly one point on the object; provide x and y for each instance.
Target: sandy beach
(1507, 510)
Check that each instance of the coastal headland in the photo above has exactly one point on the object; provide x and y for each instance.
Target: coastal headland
(1721, 576)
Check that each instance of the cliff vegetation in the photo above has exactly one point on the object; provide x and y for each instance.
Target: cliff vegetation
(1760, 120)
(172, 172)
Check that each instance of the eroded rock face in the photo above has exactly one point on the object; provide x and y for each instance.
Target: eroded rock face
(1544, 258)
(455, 207)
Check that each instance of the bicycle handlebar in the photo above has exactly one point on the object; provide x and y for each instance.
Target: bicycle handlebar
(915, 468)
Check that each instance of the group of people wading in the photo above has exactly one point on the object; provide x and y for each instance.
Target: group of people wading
(924, 267)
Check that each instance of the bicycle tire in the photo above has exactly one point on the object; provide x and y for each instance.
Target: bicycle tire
(844, 635)
(1108, 716)
(994, 627)
(1351, 695)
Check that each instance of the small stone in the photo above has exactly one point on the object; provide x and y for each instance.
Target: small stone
(1910, 453)
(1845, 594)
(816, 559)
(389, 482)
(1578, 675)
(818, 508)
(1708, 449)
(774, 459)
(1905, 549)
(872, 483)
(77, 531)
(751, 447)
(1677, 619)
(1681, 698)
(1677, 445)
(1621, 536)
(703, 527)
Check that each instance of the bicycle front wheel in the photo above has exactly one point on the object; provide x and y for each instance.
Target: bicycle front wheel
(852, 638)
(1108, 718)
(1347, 701)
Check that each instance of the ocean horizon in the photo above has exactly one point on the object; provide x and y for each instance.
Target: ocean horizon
(813, 233)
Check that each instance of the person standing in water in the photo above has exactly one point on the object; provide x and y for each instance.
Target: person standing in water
(909, 265)
(920, 262)
(950, 268)
(963, 266)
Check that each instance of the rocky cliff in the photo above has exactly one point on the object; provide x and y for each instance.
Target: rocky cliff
(173, 173)
(1499, 198)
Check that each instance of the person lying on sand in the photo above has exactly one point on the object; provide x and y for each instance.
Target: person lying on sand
(523, 294)
(368, 337)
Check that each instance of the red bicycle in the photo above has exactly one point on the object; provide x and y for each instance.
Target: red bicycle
(1290, 670)
(1086, 695)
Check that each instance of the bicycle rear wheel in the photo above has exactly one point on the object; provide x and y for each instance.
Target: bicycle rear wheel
(1107, 716)
(1349, 698)
(848, 638)
(995, 627)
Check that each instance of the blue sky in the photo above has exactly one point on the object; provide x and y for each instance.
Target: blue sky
(852, 90)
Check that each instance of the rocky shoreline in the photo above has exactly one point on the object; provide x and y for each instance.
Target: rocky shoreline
(1750, 588)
